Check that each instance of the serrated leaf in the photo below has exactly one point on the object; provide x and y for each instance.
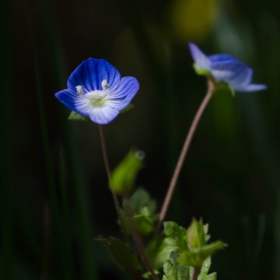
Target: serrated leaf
(76, 117)
(144, 227)
(205, 269)
(142, 204)
(212, 276)
(176, 236)
(173, 270)
(197, 256)
(123, 256)
(123, 177)
(127, 108)
(158, 251)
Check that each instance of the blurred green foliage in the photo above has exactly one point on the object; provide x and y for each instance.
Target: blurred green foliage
(231, 174)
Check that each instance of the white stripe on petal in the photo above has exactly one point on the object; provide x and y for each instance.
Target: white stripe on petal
(103, 115)
(122, 96)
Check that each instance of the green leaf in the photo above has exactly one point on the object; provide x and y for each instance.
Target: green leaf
(127, 108)
(123, 177)
(173, 270)
(158, 251)
(204, 270)
(176, 237)
(76, 117)
(142, 204)
(123, 256)
(143, 210)
(197, 256)
(143, 226)
(212, 276)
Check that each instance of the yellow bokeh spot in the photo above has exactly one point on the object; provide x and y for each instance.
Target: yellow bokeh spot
(193, 19)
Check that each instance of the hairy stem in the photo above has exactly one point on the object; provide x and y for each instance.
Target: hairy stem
(210, 91)
(196, 273)
(137, 239)
(115, 198)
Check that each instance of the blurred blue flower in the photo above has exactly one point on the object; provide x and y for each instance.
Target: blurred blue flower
(225, 68)
(97, 90)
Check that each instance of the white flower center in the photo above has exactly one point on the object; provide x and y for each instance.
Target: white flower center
(98, 102)
(97, 98)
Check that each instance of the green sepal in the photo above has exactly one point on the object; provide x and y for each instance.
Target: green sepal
(202, 72)
(127, 108)
(122, 256)
(206, 235)
(175, 271)
(197, 256)
(76, 117)
(176, 237)
(123, 177)
(219, 86)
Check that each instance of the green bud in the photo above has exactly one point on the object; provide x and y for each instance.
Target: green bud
(196, 236)
(123, 177)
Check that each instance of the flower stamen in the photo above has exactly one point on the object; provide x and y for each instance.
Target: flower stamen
(80, 90)
(105, 85)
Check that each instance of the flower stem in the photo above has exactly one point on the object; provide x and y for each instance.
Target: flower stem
(210, 91)
(115, 198)
(137, 239)
(196, 273)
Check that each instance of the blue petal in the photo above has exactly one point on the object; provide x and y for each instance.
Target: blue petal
(74, 102)
(234, 72)
(199, 57)
(103, 115)
(122, 96)
(90, 74)
(252, 87)
(222, 58)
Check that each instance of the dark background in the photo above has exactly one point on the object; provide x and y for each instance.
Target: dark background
(54, 190)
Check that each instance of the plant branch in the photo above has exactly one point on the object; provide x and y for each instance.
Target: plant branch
(137, 239)
(115, 198)
(210, 91)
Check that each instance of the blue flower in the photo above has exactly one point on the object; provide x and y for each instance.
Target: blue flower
(225, 68)
(96, 90)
